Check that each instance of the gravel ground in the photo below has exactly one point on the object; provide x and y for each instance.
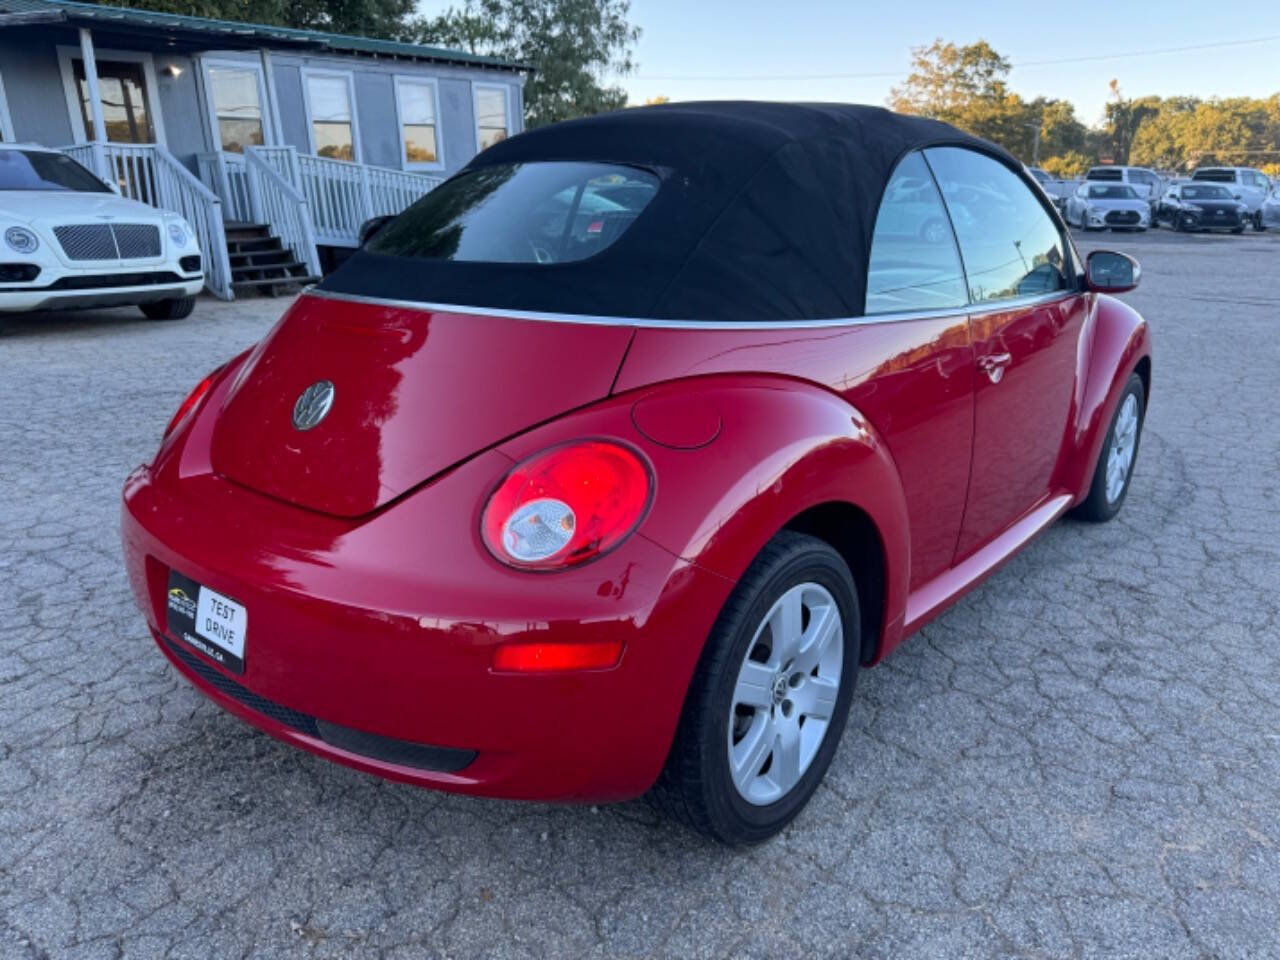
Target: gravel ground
(1081, 759)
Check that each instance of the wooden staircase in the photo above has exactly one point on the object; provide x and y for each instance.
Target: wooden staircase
(260, 262)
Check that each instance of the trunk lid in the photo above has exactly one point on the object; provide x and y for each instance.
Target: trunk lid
(415, 392)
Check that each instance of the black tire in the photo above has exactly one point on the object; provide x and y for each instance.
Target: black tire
(178, 308)
(1096, 507)
(1239, 229)
(696, 786)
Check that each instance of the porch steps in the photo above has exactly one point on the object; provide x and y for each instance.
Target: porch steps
(260, 262)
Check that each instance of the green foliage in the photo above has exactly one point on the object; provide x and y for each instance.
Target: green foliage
(967, 86)
(1070, 164)
(366, 18)
(571, 44)
(1184, 133)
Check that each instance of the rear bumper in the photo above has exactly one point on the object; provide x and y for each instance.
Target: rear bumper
(372, 636)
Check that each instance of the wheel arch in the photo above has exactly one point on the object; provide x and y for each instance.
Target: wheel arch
(851, 532)
(789, 454)
(1118, 345)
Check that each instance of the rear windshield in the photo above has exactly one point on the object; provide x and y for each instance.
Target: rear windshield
(554, 212)
(1105, 173)
(1120, 192)
(1205, 193)
(42, 170)
(1215, 176)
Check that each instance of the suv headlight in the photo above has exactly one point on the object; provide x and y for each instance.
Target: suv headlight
(178, 234)
(21, 240)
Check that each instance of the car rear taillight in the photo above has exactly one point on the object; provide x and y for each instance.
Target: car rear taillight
(567, 505)
(192, 401)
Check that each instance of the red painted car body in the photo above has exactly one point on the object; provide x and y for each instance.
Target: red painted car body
(374, 605)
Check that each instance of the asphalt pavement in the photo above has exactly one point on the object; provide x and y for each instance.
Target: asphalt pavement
(1080, 759)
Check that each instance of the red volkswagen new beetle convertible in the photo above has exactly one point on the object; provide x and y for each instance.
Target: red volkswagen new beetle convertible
(605, 466)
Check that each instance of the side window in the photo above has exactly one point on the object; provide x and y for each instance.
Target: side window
(1010, 245)
(913, 263)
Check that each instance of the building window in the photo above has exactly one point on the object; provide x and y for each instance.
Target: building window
(237, 107)
(333, 128)
(123, 86)
(419, 124)
(492, 115)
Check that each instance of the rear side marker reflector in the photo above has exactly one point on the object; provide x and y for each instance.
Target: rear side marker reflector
(553, 657)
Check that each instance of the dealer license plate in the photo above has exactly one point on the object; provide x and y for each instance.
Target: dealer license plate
(212, 623)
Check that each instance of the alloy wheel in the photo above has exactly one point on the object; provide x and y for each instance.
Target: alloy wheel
(1124, 439)
(785, 693)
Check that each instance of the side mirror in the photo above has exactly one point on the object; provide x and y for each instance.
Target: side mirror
(370, 228)
(1109, 272)
(1237, 195)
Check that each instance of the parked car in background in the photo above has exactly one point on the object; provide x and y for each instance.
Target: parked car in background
(1146, 183)
(1102, 206)
(1057, 189)
(70, 241)
(1271, 206)
(532, 505)
(1251, 187)
(1201, 206)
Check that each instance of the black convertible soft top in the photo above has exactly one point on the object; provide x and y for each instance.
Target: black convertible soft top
(765, 212)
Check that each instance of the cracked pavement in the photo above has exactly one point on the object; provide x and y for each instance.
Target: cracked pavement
(1082, 758)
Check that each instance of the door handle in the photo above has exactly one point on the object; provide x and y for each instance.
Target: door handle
(994, 364)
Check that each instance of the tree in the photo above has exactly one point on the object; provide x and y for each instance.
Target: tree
(366, 18)
(1124, 117)
(571, 44)
(947, 80)
(967, 86)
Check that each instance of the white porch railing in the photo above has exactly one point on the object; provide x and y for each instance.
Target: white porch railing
(149, 173)
(343, 195)
(275, 201)
(340, 195)
(225, 175)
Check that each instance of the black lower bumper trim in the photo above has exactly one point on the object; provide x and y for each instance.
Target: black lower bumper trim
(404, 753)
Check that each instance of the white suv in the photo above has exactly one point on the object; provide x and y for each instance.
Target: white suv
(1251, 187)
(1146, 183)
(68, 240)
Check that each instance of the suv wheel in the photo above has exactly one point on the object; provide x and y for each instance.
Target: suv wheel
(177, 308)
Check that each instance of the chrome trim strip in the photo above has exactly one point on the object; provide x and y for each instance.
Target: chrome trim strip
(1016, 303)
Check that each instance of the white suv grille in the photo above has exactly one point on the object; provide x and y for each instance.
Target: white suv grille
(109, 241)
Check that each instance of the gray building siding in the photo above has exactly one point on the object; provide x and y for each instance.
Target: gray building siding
(33, 88)
(38, 104)
(185, 128)
(293, 114)
(376, 110)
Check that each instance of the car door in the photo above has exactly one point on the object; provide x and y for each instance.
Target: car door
(1025, 321)
(1252, 189)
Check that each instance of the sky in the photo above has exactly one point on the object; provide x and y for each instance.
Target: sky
(690, 48)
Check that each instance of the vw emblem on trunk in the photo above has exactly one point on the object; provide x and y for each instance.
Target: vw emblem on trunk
(313, 405)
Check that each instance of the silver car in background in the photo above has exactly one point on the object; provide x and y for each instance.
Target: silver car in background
(1146, 183)
(1099, 206)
